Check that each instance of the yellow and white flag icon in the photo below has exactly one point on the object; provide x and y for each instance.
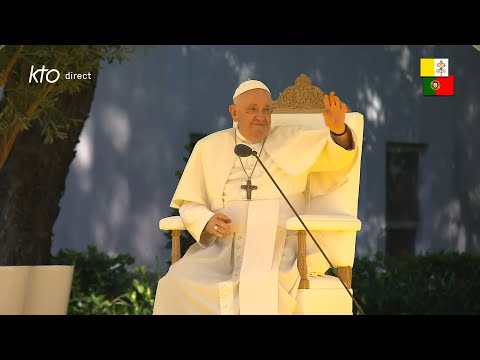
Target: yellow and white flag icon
(434, 67)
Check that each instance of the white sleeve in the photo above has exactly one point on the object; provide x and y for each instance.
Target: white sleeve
(334, 157)
(195, 216)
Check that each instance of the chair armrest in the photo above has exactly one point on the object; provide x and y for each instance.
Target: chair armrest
(325, 223)
(172, 223)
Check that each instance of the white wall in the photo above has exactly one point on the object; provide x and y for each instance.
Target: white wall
(123, 177)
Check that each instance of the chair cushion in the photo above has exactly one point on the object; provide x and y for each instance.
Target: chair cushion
(326, 296)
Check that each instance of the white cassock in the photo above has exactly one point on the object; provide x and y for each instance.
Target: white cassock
(253, 270)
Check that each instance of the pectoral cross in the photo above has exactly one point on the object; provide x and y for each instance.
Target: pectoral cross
(249, 187)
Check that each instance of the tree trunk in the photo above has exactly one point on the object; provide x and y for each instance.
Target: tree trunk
(32, 183)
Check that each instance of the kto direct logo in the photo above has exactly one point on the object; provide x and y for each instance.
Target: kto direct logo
(52, 75)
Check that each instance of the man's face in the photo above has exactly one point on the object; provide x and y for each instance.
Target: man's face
(253, 113)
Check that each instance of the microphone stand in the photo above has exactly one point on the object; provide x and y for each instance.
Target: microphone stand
(359, 308)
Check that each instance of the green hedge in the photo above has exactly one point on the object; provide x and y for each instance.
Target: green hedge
(108, 285)
(434, 283)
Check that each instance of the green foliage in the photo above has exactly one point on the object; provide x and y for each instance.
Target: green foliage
(107, 285)
(433, 283)
(24, 101)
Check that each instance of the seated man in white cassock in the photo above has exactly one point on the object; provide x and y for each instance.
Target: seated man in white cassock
(244, 260)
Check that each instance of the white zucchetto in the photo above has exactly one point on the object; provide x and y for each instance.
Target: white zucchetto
(249, 85)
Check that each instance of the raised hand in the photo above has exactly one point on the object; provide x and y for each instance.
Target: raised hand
(334, 113)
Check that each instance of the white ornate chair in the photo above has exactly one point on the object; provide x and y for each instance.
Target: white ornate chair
(331, 217)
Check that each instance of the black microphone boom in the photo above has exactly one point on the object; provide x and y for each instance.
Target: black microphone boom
(243, 150)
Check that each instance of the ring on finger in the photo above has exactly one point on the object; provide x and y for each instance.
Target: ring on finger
(215, 227)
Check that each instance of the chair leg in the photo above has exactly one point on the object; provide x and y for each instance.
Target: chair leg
(176, 253)
(302, 260)
(345, 274)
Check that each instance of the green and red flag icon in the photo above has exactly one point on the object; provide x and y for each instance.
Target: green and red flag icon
(438, 86)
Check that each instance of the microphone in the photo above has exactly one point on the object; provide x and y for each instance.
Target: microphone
(243, 150)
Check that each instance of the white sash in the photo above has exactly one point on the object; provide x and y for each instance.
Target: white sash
(259, 221)
(258, 280)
